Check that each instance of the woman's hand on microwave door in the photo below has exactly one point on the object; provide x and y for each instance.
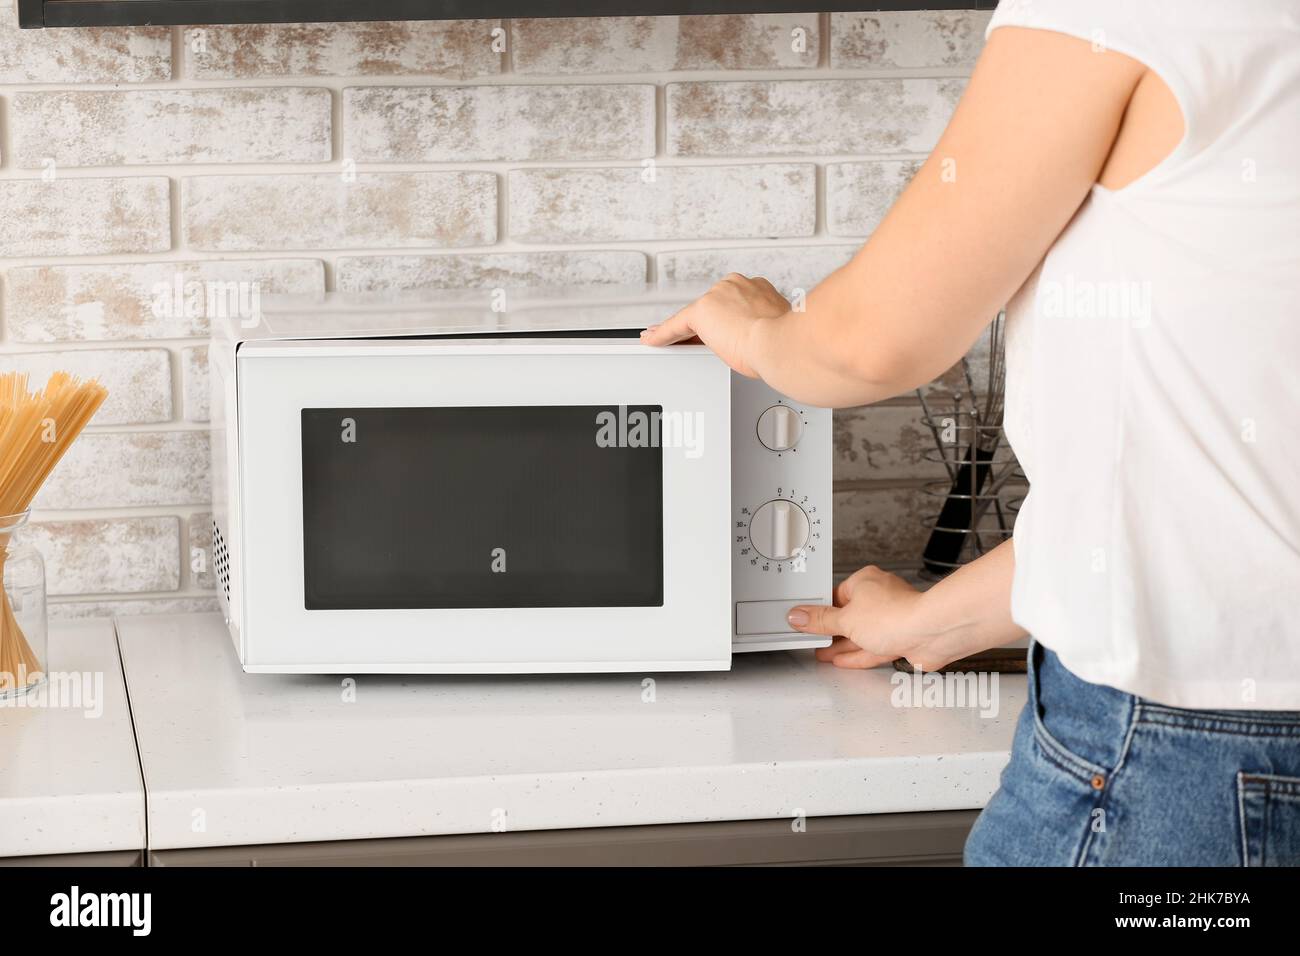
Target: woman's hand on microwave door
(871, 620)
(724, 319)
(878, 617)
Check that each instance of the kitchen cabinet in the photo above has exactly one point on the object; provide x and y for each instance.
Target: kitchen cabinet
(886, 839)
(107, 859)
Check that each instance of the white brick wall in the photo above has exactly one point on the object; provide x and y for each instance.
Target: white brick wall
(430, 124)
(803, 117)
(380, 155)
(81, 128)
(624, 204)
(55, 302)
(274, 211)
(74, 217)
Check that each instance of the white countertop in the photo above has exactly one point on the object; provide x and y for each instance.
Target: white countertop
(233, 759)
(69, 775)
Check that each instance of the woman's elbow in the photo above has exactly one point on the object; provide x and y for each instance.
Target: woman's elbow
(888, 373)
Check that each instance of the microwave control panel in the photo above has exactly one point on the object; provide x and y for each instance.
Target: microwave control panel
(781, 514)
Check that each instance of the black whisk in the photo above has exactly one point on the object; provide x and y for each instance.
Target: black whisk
(964, 506)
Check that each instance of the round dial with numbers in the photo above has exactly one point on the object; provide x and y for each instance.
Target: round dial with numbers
(779, 530)
(781, 533)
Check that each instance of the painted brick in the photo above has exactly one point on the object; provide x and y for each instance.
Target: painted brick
(657, 44)
(198, 553)
(122, 469)
(885, 525)
(786, 267)
(139, 300)
(318, 211)
(681, 202)
(915, 39)
(194, 383)
(99, 55)
(456, 49)
(81, 217)
(859, 194)
(892, 525)
(400, 124)
(767, 117)
(884, 442)
(122, 128)
(110, 555)
(80, 610)
(139, 381)
(491, 270)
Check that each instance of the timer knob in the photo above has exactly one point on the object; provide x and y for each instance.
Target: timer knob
(780, 427)
(779, 530)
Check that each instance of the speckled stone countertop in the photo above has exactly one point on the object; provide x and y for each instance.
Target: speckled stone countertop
(69, 776)
(233, 759)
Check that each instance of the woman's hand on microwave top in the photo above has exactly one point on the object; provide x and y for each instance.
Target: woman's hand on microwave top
(724, 319)
(1021, 153)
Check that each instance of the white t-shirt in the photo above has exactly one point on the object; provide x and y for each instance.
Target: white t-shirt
(1153, 390)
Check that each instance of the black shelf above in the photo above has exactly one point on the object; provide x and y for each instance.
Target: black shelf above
(98, 13)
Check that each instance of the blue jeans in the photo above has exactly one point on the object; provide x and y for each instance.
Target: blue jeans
(1099, 777)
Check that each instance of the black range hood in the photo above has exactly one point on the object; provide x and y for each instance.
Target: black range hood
(97, 13)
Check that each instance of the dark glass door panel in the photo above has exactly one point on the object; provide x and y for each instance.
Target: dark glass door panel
(478, 507)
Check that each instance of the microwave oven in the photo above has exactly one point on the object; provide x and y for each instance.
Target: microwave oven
(505, 482)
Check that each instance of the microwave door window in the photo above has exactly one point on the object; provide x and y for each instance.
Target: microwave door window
(479, 507)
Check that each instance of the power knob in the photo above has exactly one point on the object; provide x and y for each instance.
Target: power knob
(780, 427)
(779, 530)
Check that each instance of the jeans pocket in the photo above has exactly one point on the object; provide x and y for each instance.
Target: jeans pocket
(1048, 745)
(1270, 819)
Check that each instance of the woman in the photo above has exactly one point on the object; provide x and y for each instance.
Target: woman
(1126, 176)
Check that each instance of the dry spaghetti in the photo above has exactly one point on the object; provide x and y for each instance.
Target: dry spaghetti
(36, 429)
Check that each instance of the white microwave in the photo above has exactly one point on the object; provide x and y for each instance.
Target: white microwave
(505, 482)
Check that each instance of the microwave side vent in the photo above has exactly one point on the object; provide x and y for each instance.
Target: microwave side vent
(221, 560)
(224, 557)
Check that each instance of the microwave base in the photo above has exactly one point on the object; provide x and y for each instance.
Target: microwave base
(544, 667)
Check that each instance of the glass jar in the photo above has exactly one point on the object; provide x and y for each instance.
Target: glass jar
(23, 625)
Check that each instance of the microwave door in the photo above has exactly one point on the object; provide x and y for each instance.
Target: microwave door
(479, 506)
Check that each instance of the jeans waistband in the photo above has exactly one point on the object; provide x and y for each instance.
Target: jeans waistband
(1082, 715)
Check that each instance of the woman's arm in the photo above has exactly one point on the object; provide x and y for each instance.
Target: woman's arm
(1019, 156)
(878, 617)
